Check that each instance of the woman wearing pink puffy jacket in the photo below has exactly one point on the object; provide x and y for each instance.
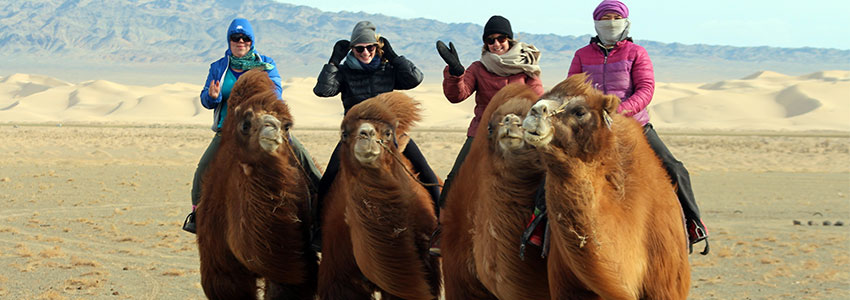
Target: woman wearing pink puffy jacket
(618, 66)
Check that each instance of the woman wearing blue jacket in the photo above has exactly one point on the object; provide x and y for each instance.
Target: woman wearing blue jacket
(238, 59)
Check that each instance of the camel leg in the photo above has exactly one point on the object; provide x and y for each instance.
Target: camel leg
(460, 284)
(339, 276)
(228, 280)
(278, 291)
(431, 263)
(303, 291)
(562, 282)
(222, 276)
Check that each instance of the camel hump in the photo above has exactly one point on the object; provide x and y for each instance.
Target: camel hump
(250, 83)
(395, 108)
(578, 84)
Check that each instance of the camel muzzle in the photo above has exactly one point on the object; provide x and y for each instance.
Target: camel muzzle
(270, 134)
(537, 123)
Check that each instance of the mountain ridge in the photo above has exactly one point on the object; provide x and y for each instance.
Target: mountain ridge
(169, 35)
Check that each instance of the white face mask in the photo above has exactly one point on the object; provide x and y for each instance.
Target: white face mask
(612, 31)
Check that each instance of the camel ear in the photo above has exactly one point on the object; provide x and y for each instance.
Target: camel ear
(611, 103)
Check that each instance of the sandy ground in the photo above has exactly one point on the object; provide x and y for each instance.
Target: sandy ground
(95, 212)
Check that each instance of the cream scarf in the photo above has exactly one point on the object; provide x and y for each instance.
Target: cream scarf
(521, 58)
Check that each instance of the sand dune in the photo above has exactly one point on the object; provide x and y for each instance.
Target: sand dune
(765, 100)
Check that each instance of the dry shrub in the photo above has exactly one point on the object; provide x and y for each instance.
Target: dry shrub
(51, 253)
(827, 275)
(809, 248)
(97, 273)
(174, 272)
(811, 265)
(724, 252)
(768, 260)
(51, 295)
(81, 262)
(82, 283)
(85, 221)
(11, 230)
(129, 239)
(23, 251)
(53, 239)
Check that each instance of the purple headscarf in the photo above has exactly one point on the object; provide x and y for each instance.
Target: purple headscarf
(607, 6)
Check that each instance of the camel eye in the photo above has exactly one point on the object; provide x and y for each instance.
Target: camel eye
(246, 126)
(579, 112)
(287, 126)
(388, 133)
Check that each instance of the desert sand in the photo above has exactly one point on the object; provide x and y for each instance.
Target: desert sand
(95, 180)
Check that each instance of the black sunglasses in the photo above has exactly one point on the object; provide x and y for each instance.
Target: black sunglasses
(360, 49)
(501, 39)
(236, 37)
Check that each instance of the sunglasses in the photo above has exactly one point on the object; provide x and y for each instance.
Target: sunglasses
(360, 49)
(237, 37)
(501, 39)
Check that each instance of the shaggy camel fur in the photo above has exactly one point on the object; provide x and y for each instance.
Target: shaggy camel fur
(377, 218)
(488, 206)
(253, 221)
(617, 229)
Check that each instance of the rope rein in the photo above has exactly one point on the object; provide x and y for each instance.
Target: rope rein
(398, 159)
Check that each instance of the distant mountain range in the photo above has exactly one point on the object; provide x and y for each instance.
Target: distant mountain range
(167, 40)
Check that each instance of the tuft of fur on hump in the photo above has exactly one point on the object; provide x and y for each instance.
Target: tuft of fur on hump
(249, 84)
(395, 108)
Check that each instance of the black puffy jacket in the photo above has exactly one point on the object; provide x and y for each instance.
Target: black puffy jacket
(358, 85)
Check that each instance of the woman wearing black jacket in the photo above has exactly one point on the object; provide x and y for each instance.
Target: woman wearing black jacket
(371, 67)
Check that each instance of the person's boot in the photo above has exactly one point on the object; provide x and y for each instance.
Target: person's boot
(316, 239)
(434, 248)
(189, 223)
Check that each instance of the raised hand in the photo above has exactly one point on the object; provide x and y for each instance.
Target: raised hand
(449, 54)
(341, 49)
(215, 88)
(389, 54)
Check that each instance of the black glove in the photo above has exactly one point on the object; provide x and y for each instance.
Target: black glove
(389, 54)
(341, 49)
(449, 54)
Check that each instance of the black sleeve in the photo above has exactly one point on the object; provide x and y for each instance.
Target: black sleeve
(328, 83)
(407, 75)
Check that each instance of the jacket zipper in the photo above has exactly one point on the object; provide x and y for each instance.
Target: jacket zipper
(605, 71)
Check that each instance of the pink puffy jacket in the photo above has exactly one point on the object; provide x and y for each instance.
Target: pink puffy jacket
(625, 72)
(484, 84)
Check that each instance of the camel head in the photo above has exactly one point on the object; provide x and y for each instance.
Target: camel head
(572, 117)
(377, 125)
(505, 125)
(260, 122)
(503, 117)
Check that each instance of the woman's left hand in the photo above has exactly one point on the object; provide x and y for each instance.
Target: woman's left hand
(389, 54)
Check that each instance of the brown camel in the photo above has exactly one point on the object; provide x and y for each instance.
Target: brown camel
(617, 229)
(253, 220)
(488, 207)
(377, 218)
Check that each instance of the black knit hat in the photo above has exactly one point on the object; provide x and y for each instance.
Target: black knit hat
(498, 24)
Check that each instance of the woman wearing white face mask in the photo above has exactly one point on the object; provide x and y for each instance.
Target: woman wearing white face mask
(618, 66)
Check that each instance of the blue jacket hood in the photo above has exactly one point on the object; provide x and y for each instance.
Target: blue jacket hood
(239, 25)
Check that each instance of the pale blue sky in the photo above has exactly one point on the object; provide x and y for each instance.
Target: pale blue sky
(778, 23)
